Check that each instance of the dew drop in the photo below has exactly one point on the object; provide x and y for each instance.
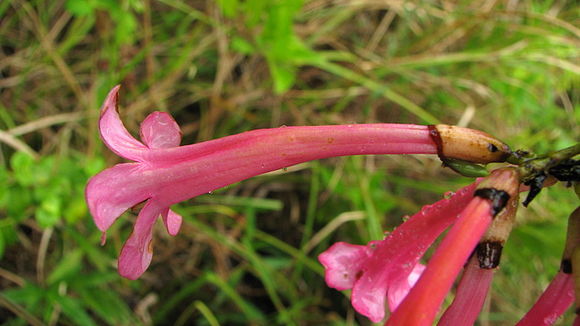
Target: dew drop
(448, 194)
(406, 218)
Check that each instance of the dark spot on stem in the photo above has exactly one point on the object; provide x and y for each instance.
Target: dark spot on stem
(436, 137)
(489, 254)
(498, 198)
(566, 266)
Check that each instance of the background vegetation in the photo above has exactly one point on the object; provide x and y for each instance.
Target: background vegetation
(247, 254)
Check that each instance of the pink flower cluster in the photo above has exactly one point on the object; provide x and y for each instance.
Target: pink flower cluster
(164, 173)
(388, 269)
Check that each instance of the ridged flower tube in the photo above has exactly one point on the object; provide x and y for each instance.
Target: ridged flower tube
(478, 273)
(164, 173)
(420, 306)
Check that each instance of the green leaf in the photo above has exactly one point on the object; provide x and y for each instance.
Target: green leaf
(229, 7)
(284, 76)
(80, 7)
(242, 46)
(75, 210)
(70, 265)
(107, 304)
(49, 212)
(74, 310)
(22, 165)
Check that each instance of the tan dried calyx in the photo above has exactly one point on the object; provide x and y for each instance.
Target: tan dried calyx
(468, 144)
(491, 244)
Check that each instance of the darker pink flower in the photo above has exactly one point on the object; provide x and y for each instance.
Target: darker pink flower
(378, 272)
(375, 272)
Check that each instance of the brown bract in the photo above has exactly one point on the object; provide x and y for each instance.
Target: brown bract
(468, 144)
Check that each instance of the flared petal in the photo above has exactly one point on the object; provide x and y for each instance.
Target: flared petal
(470, 296)
(113, 191)
(395, 257)
(343, 264)
(138, 250)
(555, 300)
(113, 132)
(399, 290)
(159, 130)
(172, 221)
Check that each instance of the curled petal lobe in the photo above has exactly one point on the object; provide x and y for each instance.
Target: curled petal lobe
(138, 250)
(113, 132)
(172, 221)
(159, 130)
(343, 263)
(112, 192)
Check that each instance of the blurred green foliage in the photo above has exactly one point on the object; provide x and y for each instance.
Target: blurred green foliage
(247, 254)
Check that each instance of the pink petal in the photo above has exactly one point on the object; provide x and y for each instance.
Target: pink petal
(113, 191)
(553, 303)
(395, 257)
(399, 290)
(172, 221)
(138, 250)
(423, 301)
(113, 132)
(343, 263)
(470, 296)
(159, 130)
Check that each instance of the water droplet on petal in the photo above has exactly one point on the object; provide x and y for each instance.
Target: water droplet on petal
(406, 218)
(448, 194)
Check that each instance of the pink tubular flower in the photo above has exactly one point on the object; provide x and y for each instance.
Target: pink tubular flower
(376, 271)
(375, 274)
(165, 173)
(422, 303)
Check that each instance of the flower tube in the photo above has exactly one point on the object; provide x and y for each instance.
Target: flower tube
(423, 301)
(166, 173)
(479, 271)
